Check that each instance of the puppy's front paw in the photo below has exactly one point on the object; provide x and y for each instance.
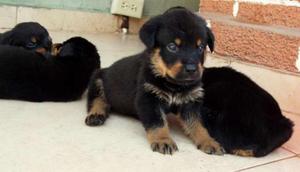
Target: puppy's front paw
(95, 119)
(164, 146)
(211, 147)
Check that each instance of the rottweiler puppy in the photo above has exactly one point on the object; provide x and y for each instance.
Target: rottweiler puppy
(29, 35)
(244, 118)
(162, 80)
(24, 75)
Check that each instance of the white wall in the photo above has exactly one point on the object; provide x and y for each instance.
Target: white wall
(278, 2)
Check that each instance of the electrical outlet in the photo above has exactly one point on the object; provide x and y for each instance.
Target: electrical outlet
(131, 8)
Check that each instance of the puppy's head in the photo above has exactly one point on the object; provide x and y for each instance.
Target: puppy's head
(29, 35)
(177, 41)
(80, 49)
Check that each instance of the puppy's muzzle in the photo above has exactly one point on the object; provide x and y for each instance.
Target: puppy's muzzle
(190, 68)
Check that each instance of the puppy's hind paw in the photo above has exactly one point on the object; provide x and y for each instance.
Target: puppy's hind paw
(211, 147)
(95, 120)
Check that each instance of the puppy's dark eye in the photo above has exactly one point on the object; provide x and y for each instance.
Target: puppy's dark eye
(201, 48)
(31, 45)
(172, 47)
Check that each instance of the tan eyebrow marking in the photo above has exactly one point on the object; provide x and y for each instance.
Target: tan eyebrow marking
(33, 39)
(199, 42)
(177, 41)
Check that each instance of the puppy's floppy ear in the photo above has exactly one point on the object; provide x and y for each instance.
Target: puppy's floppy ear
(148, 32)
(210, 39)
(7, 38)
(66, 50)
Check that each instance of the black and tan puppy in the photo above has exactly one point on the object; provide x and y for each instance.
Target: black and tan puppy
(29, 35)
(240, 115)
(164, 79)
(24, 75)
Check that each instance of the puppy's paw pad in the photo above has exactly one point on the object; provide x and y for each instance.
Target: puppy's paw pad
(95, 119)
(211, 147)
(164, 146)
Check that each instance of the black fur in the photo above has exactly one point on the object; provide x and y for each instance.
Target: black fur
(238, 113)
(242, 115)
(22, 35)
(24, 75)
(124, 83)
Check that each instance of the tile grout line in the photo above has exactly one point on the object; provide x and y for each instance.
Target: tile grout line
(294, 156)
(289, 112)
(288, 150)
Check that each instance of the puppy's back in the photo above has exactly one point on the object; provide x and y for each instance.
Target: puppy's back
(120, 82)
(19, 73)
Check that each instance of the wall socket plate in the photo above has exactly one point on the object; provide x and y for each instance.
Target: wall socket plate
(131, 8)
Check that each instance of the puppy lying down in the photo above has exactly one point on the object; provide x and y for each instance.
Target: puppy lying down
(26, 75)
(29, 35)
(242, 116)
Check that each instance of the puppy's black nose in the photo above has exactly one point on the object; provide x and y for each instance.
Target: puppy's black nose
(190, 68)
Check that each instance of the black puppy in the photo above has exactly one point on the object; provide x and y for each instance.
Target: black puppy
(164, 79)
(240, 115)
(60, 78)
(29, 35)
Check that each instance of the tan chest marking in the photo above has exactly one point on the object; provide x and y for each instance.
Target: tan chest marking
(175, 98)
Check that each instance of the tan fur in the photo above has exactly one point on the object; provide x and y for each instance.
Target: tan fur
(98, 107)
(33, 39)
(158, 134)
(199, 134)
(198, 42)
(177, 98)
(41, 50)
(178, 41)
(159, 67)
(55, 49)
(246, 153)
(160, 140)
(174, 69)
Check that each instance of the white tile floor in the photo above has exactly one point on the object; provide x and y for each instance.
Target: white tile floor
(53, 137)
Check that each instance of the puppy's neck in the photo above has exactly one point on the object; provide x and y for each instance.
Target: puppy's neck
(175, 98)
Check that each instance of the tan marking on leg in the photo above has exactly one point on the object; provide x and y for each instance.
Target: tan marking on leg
(98, 113)
(199, 134)
(98, 107)
(241, 152)
(160, 140)
(178, 41)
